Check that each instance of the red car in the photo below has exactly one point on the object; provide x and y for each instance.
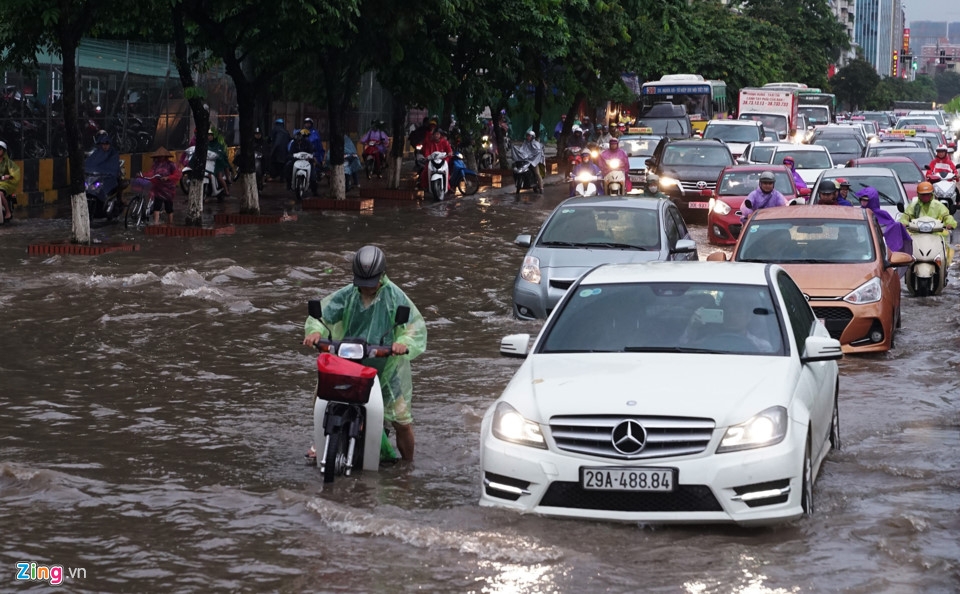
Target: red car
(733, 186)
(906, 169)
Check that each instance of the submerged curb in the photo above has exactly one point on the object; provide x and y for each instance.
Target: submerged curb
(78, 249)
(171, 231)
(250, 219)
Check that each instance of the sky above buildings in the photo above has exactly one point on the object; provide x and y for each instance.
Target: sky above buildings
(931, 10)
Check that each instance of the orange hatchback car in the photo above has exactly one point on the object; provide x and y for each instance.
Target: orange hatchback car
(837, 256)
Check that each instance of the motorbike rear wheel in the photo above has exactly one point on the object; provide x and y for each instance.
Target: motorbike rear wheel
(335, 461)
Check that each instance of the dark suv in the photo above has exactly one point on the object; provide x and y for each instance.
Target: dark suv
(688, 170)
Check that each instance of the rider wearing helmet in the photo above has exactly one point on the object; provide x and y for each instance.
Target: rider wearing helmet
(925, 206)
(279, 140)
(603, 137)
(653, 187)
(843, 192)
(314, 136)
(941, 162)
(9, 180)
(366, 309)
(590, 168)
(105, 162)
(616, 156)
(301, 144)
(765, 196)
(377, 135)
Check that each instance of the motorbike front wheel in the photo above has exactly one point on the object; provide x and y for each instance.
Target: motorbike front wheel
(436, 190)
(185, 184)
(369, 165)
(336, 458)
(468, 185)
(135, 215)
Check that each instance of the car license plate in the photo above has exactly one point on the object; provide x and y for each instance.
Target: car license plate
(628, 479)
(699, 205)
(635, 178)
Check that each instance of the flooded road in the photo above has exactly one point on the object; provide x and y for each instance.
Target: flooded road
(155, 407)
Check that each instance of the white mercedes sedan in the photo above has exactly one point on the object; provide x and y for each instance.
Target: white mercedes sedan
(664, 392)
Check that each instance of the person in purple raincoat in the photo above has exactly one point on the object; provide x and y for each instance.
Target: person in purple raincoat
(765, 196)
(894, 233)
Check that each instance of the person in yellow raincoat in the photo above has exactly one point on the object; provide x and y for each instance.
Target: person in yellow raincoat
(366, 309)
(925, 206)
(9, 181)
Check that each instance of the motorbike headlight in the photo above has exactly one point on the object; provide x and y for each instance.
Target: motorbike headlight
(584, 177)
(509, 425)
(614, 163)
(594, 155)
(720, 207)
(869, 292)
(925, 227)
(530, 270)
(764, 429)
(351, 350)
(668, 182)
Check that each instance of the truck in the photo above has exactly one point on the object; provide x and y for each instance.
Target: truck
(777, 108)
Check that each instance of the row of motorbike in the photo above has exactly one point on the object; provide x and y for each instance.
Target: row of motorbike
(613, 182)
(931, 241)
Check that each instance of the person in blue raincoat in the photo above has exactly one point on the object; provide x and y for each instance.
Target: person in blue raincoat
(366, 309)
(894, 233)
(104, 160)
(351, 164)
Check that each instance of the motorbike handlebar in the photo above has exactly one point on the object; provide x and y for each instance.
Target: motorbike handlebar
(325, 345)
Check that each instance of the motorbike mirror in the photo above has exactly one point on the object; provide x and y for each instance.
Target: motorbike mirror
(315, 309)
(900, 206)
(402, 316)
(804, 191)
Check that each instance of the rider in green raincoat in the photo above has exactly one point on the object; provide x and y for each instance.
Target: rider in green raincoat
(366, 309)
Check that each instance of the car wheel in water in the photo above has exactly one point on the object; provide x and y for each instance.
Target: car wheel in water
(806, 496)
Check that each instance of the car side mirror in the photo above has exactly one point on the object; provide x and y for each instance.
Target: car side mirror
(804, 192)
(648, 162)
(899, 259)
(684, 246)
(717, 257)
(821, 348)
(515, 345)
(523, 240)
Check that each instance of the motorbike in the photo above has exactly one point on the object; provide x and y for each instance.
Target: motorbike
(615, 179)
(302, 170)
(525, 163)
(583, 184)
(211, 184)
(140, 206)
(928, 273)
(348, 407)
(107, 207)
(945, 187)
(372, 159)
(257, 167)
(485, 156)
(465, 180)
(437, 170)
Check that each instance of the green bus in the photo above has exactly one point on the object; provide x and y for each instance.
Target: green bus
(704, 99)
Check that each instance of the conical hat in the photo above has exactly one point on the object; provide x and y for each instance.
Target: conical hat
(162, 152)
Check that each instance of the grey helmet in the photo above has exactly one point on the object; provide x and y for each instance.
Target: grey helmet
(369, 264)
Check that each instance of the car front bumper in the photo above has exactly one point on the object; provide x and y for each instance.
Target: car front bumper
(547, 482)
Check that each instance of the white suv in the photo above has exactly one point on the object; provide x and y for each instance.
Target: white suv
(736, 134)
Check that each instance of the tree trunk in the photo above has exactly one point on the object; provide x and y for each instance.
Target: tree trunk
(538, 109)
(195, 203)
(80, 214)
(201, 118)
(397, 117)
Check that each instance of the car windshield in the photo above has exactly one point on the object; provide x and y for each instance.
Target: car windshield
(817, 115)
(769, 121)
(920, 157)
(908, 121)
(602, 227)
(732, 133)
(741, 183)
(888, 186)
(673, 127)
(668, 318)
(839, 145)
(704, 155)
(908, 173)
(805, 159)
(762, 154)
(806, 241)
(638, 147)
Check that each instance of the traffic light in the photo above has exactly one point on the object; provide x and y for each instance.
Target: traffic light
(913, 63)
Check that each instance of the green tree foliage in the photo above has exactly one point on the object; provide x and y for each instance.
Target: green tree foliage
(854, 83)
(816, 38)
(948, 86)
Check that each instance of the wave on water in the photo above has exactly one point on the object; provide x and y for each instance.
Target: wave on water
(486, 545)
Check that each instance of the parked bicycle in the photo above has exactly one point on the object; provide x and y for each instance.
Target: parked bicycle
(140, 206)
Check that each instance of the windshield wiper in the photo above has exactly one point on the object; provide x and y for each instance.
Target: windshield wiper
(626, 246)
(666, 349)
(566, 243)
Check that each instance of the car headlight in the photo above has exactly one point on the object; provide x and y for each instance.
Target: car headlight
(667, 182)
(509, 425)
(530, 271)
(869, 292)
(764, 429)
(720, 207)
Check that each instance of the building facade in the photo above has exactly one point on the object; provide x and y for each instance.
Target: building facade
(878, 31)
